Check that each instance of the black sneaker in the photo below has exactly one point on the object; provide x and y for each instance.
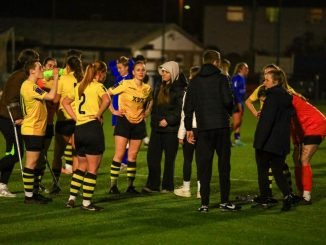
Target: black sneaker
(287, 202)
(228, 206)
(114, 190)
(305, 202)
(41, 197)
(92, 208)
(32, 200)
(131, 189)
(203, 209)
(70, 203)
(55, 190)
(271, 200)
(297, 200)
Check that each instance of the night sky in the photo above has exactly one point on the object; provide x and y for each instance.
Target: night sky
(130, 10)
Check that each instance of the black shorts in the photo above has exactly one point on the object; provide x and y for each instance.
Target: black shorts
(130, 130)
(49, 131)
(312, 140)
(89, 138)
(33, 142)
(66, 128)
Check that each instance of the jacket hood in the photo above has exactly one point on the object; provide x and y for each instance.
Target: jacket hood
(172, 67)
(208, 70)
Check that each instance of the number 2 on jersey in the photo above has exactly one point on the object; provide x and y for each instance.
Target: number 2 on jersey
(82, 100)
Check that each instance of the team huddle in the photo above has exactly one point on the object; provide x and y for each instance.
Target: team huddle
(196, 113)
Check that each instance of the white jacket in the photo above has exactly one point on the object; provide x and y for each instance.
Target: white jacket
(182, 129)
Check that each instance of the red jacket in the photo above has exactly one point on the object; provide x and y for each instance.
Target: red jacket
(307, 121)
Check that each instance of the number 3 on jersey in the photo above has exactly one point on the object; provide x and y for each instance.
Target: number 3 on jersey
(82, 100)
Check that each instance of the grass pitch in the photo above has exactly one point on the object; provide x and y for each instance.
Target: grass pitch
(166, 218)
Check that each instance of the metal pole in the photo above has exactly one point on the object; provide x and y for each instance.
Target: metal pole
(13, 48)
(252, 33)
(163, 32)
(181, 4)
(278, 33)
(53, 27)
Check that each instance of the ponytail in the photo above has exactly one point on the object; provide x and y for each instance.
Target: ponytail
(91, 71)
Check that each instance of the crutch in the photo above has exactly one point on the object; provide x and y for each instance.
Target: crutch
(51, 171)
(16, 138)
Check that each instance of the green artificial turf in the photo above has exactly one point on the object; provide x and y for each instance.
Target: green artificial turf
(166, 218)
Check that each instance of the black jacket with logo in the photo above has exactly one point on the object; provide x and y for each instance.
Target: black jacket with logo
(209, 95)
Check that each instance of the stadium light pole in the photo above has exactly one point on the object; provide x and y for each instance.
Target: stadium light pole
(252, 33)
(181, 6)
(278, 33)
(53, 26)
(163, 31)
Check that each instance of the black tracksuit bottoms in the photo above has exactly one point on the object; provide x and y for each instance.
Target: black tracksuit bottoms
(160, 142)
(208, 142)
(266, 160)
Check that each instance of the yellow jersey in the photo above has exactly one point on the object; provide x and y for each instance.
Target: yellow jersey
(254, 95)
(66, 85)
(132, 99)
(88, 104)
(33, 108)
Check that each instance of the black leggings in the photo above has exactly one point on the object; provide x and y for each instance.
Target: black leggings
(188, 155)
(7, 162)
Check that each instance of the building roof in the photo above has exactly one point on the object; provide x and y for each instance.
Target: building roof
(87, 34)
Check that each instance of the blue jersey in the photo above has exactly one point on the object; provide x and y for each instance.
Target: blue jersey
(117, 79)
(239, 88)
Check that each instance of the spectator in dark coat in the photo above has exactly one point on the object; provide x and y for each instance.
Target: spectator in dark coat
(272, 136)
(209, 95)
(165, 121)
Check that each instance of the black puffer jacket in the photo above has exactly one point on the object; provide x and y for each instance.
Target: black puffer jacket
(209, 95)
(273, 128)
(170, 112)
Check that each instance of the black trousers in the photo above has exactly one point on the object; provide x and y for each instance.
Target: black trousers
(188, 155)
(266, 160)
(208, 142)
(159, 143)
(7, 162)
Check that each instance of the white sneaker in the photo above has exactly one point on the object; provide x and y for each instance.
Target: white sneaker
(198, 195)
(238, 143)
(4, 192)
(182, 192)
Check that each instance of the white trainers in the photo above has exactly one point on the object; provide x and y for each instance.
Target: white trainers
(198, 195)
(4, 192)
(238, 143)
(182, 192)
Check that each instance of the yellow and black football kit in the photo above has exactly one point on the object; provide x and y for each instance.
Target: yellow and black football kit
(33, 108)
(132, 99)
(88, 104)
(89, 135)
(66, 85)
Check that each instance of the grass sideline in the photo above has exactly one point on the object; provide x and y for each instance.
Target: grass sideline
(165, 218)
